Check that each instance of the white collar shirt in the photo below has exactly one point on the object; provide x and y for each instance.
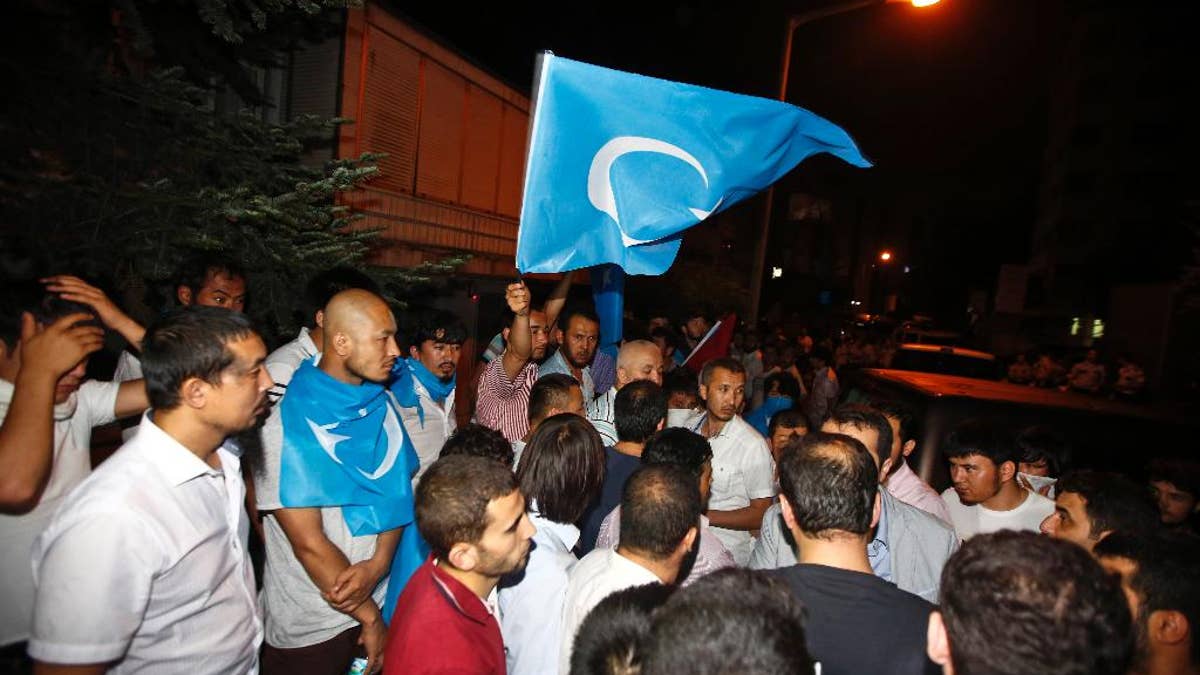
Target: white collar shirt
(596, 576)
(531, 601)
(430, 429)
(145, 566)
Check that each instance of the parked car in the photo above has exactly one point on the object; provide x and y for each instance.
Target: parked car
(947, 360)
(1104, 434)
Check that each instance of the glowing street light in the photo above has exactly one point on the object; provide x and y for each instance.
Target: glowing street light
(885, 256)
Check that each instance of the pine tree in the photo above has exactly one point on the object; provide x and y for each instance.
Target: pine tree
(116, 167)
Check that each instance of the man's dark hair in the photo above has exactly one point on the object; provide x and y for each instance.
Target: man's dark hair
(321, 288)
(792, 418)
(611, 639)
(676, 446)
(669, 336)
(1113, 502)
(1017, 603)
(188, 342)
(479, 441)
(1184, 474)
(984, 437)
(639, 408)
(196, 270)
(1167, 575)
(899, 411)
(18, 297)
(785, 383)
(730, 621)
(1041, 442)
(570, 312)
(680, 381)
(453, 496)
(866, 418)
(550, 391)
(724, 363)
(659, 505)
(436, 325)
(562, 467)
(830, 481)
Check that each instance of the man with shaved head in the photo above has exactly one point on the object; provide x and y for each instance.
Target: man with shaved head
(335, 494)
(637, 360)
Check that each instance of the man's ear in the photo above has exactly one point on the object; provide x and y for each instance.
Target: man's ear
(1167, 626)
(908, 447)
(414, 352)
(1007, 470)
(789, 516)
(319, 318)
(877, 510)
(194, 392)
(703, 392)
(885, 470)
(937, 645)
(340, 343)
(463, 556)
(504, 335)
(183, 294)
(689, 540)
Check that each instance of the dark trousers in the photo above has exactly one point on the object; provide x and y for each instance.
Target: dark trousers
(331, 657)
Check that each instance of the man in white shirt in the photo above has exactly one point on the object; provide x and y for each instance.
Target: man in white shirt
(637, 360)
(47, 412)
(144, 567)
(985, 496)
(660, 514)
(435, 341)
(743, 471)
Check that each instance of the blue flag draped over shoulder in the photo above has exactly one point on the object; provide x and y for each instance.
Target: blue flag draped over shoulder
(621, 164)
(344, 445)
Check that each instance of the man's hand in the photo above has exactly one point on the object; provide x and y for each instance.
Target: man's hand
(77, 290)
(59, 347)
(354, 585)
(517, 296)
(373, 637)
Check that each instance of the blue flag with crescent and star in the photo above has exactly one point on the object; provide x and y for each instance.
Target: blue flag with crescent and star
(344, 445)
(621, 164)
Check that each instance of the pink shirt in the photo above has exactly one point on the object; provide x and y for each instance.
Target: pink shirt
(908, 487)
(503, 404)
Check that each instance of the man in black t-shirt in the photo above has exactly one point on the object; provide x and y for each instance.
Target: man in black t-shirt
(857, 622)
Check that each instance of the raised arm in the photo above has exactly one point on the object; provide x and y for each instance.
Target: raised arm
(520, 338)
(557, 299)
(77, 290)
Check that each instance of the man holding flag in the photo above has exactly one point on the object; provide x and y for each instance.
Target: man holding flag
(335, 496)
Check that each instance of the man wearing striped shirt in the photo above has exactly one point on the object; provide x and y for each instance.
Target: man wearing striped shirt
(502, 401)
(637, 360)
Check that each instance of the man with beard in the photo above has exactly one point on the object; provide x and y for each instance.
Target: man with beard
(576, 348)
(472, 513)
(1160, 574)
(47, 412)
(985, 495)
(425, 383)
(144, 566)
(333, 509)
(743, 483)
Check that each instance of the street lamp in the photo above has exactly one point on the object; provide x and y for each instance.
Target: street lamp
(885, 256)
(794, 22)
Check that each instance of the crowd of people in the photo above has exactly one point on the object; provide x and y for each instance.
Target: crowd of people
(325, 507)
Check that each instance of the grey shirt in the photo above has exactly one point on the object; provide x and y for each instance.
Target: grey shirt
(919, 545)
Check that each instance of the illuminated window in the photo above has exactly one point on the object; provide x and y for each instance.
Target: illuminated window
(776, 272)
(1097, 329)
(1075, 326)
